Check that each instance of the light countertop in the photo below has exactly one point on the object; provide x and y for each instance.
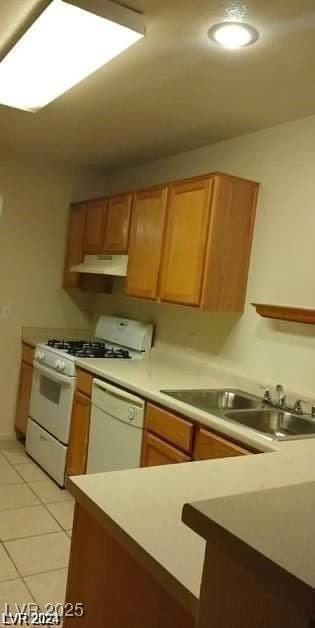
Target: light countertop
(166, 371)
(35, 335)
(142, 508)
(148, 377)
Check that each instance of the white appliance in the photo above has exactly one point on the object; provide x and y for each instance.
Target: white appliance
(53, 385)
(114, 265)
(116, 426)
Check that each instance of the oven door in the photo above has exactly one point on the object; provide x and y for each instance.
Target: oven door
(51, 401)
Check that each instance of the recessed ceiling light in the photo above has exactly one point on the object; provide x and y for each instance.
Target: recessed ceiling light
(233, 35)
(62, 47)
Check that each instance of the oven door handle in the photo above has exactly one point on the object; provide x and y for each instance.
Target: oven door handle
(51, 374)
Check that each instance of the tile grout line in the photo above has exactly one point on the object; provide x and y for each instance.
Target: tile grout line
(32, 536)
(18, 572)
(40, 502)
(20, 575)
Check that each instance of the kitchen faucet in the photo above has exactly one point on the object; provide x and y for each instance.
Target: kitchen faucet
(282, 398)
(281, 402)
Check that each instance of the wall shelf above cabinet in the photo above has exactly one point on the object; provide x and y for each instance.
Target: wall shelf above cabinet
(286, 313)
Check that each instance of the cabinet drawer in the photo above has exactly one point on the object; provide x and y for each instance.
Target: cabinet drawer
(84, 382)
(174, 429)
(157, 452)
(27, 354)
(209, 445)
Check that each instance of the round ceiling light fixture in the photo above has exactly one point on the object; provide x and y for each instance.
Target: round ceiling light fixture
(233, 35)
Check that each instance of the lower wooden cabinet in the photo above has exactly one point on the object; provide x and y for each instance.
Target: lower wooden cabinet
(174, 429)
(209, 445)
(24, 389)
(157, 452)
(79, 435)
(169, 438)
(24, 396)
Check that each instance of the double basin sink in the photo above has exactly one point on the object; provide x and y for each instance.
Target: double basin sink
(245, 409)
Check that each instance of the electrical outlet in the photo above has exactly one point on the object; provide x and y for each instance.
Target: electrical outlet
(6, 311)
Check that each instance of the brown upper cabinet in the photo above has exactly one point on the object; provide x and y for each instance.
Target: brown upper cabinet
(118, 224)
(96, 217)
(227, 255)
(185, 241)
(190, 242)
(208, 241)
(74, 252)
(146, 242)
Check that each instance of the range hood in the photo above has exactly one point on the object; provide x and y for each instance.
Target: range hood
(115, 265)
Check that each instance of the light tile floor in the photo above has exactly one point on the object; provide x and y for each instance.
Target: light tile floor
(35, 530)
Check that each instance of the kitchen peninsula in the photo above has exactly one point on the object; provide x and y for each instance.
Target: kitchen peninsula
(117, 535)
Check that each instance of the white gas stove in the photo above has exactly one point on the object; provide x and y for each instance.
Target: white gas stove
(115, 338)
(53, 384)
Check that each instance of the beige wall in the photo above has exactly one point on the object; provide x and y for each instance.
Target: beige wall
(32, 243)
(282, 268)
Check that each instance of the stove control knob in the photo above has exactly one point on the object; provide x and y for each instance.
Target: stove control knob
(40, 356)
(62, 365)
(57, 363)
(131, 414)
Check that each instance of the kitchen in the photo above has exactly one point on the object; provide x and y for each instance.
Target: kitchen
(195, 343)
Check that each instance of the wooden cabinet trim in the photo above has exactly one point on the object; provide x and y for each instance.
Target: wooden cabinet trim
(75, 238)
(84, 382)
(23, 397)
(170, 182)
(79, 435)
(27, 353)
(174, 429)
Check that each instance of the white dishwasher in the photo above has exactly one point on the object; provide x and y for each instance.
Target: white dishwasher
(116, 429)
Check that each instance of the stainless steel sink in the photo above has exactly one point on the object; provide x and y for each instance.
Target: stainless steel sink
(245, 409)
(216, 399)
(276, 423)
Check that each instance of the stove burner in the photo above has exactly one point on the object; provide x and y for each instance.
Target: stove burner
(88, 349)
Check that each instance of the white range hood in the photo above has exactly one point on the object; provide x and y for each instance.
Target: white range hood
(115, 265)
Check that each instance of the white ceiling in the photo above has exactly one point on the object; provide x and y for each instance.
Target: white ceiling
(174, 90)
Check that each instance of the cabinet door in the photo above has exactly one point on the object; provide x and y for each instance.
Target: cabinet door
(95, 226)
(209, 445)
(118, 224)
(185, 242)
(156, 452)
(79, 435)
(145, 245)
(174, 429)
(24, 395)
(74, 252)
(233, 210)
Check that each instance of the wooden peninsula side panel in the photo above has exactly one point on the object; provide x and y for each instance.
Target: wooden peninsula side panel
(115, 590)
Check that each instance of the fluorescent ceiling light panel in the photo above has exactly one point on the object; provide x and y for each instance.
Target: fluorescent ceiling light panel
(61, 48)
